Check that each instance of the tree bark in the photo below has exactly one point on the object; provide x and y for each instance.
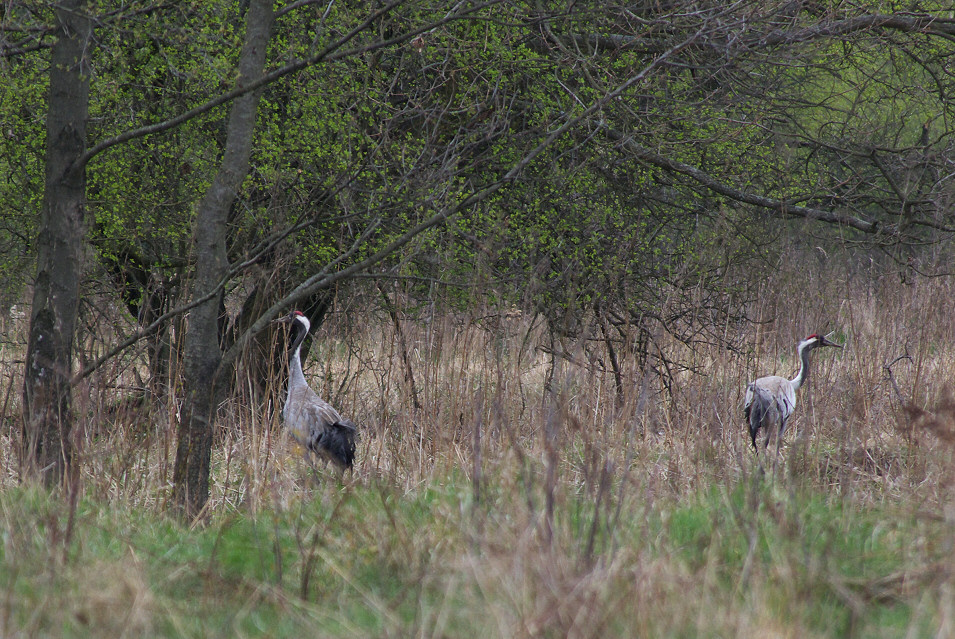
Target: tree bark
(46, 388)
(202, 351)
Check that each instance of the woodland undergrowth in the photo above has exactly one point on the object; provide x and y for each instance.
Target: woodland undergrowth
(503, 491)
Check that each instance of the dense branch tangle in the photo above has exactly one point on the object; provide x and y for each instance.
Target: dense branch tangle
(747, 50)
(616, 139)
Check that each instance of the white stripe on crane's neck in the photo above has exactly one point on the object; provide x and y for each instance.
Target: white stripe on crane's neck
(296, 376)
(803, 350)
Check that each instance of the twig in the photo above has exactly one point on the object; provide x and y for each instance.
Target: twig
(888, 369)
(409, 371)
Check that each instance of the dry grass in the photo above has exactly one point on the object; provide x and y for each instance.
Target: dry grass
(503, 508)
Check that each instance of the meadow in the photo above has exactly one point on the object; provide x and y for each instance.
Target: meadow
(504, 492)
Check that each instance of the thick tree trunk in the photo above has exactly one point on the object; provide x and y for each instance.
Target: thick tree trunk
(49, 361)
(202, 351)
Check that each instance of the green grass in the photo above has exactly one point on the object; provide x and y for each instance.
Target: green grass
(819, 561)
(363, 560)
(582, 514)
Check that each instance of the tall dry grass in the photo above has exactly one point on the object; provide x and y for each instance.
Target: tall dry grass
(544, 503)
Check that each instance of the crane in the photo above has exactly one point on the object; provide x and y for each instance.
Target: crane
(312, 421)
(771, 400)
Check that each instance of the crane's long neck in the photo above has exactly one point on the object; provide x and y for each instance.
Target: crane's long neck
(803, 373)
(296, 377)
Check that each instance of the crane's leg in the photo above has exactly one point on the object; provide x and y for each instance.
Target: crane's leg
(782, 431)
(779, 442)
(759, 459)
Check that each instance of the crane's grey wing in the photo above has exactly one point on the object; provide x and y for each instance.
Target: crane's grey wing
(758, 409)
(316, 425)
(760, 402)
(336, 442)
(769, 402)
(330, 435)
(299, 414)
(786, 402)
(748, 401)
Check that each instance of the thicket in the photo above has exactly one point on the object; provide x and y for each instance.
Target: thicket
(551, 243)
(604, 222)
(505, 507)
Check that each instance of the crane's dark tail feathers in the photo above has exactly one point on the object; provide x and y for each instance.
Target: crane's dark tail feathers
(337, 443)
(757, 413)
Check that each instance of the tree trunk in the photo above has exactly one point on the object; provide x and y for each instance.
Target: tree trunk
(146, 290)
(202, 351)
(49, 361)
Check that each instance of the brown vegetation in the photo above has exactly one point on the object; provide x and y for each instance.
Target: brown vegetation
(548, 530)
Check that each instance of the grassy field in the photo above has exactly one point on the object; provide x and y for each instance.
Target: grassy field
(500, 509)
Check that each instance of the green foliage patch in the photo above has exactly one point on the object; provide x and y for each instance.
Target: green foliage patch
(366, 559)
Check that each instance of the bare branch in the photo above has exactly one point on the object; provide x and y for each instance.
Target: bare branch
(906, 23)
(330, 53)
(705, 179)
(264, 247)
(888, 369)
(326, 278)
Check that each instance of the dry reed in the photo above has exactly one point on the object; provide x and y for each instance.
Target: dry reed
(557, 478)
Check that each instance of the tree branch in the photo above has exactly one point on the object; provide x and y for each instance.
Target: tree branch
(255, 255)
(906, 23)
(705, 179)
(328, 54)
(325, 278)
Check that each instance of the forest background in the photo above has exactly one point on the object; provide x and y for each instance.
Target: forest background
(545, 246)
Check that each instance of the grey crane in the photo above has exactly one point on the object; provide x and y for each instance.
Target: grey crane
(312, 421)
(770, 401)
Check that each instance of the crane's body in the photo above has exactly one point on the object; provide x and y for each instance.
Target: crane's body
(312, 421)
(770, 401)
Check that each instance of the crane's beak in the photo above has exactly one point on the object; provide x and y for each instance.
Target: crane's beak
(824, 342)
(283, 320)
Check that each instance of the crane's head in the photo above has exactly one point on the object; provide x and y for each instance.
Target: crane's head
(296, 317)
(815, 340)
